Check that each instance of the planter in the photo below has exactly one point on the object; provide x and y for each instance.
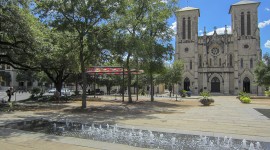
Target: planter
(207, 101)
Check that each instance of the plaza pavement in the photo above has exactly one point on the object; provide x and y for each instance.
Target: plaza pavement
(226, 117)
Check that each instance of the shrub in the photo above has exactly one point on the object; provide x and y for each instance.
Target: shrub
(244, 99)
(243, 94)
(35, 91)
(183, 93)
(205, 94)
(267, 93)
(206, 101)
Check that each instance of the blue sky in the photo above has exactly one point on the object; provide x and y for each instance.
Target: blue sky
(216, 13)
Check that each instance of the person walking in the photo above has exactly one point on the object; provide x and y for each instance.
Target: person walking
(9, 94)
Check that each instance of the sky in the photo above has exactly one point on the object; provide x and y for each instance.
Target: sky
(215, 13)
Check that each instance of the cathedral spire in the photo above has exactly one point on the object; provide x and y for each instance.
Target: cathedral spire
(215, 29)
(204, 31)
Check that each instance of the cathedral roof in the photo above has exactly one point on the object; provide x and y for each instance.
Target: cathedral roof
(244, 2)
(188, 9)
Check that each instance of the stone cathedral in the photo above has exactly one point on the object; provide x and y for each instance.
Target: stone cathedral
(219, 63)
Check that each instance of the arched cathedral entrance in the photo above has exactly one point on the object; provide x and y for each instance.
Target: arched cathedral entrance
(186, 84)
(215, 85)
(246, 85)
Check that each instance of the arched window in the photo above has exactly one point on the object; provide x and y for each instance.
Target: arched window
(248, 24)
(251, 63)
(242, 62)
(189, 28)
(231, 60)
(200, 61)
(242, 23)
(184, 28)
(190, 65)
(219, 61)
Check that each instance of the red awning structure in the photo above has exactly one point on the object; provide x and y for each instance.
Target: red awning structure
(112, 71)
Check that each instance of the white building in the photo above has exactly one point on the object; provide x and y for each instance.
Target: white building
(11, 82)
(220, 63)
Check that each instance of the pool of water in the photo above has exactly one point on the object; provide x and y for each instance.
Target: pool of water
(137, 137)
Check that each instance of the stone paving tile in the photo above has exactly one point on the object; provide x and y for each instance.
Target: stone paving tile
(227, 117)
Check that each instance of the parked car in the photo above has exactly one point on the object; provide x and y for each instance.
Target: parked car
(52, 90)
(98, 92)
(65, 91)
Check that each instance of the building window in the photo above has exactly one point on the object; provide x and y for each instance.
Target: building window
(248, 24)
(8, 66)
(231, 60)
(251, 63)
(2, 67)
(184, 28)
(210, 62)
(186, 49)
(200, 61)
(189, 28)
(242, 62)
(190, 65)
(242, 23)
(219, 61)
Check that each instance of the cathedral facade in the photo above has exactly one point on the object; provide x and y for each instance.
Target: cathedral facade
(219, 63)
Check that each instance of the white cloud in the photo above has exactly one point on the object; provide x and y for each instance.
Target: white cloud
(221, 31)
(264, 23)
(267, 9)
(173, 26)
(267, 44)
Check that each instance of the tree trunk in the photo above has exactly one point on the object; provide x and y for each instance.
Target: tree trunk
(76, 85)
(129, 80)
(83, 73)
(152, 87)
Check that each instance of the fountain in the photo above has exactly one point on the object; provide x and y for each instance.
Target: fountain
(142, 138)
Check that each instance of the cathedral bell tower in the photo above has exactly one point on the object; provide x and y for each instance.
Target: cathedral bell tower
(244, 17)
(187, 46)
(246, 44)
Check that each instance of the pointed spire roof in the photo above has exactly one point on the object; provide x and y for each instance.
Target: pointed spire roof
(244, 2)
(188, 9)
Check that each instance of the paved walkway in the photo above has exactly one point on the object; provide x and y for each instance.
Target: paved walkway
(227, 117)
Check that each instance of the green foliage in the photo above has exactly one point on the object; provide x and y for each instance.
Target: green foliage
(245, 99)
(35, 91)
(262, 71)
(243, 94)
(206, 100)
(205, 94)
(267, 93)
(183, 93)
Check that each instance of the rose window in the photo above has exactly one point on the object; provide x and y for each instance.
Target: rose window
(215, 51)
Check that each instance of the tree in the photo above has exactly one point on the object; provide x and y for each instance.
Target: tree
(157, 36)
(20, 35)
(174, 74)
(26, 76)
(59, 61)
(262, 71)
(143, 30)
(87, 19)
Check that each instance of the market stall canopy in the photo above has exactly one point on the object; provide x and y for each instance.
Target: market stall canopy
(112, 71)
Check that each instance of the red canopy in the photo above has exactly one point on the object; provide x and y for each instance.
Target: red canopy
(111, 71)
